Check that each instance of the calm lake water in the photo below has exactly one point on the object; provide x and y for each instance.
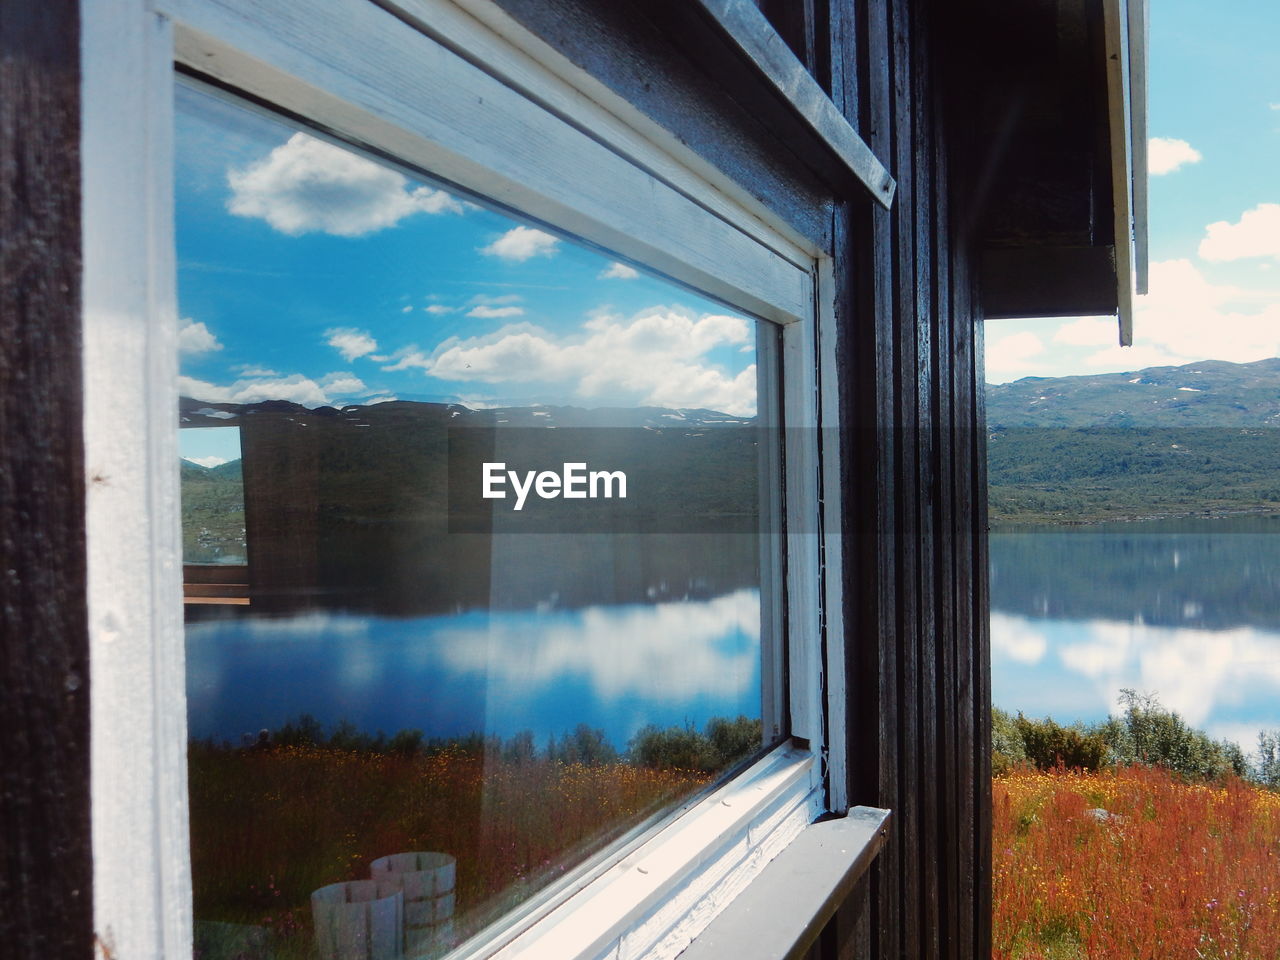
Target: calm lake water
(1188, 610)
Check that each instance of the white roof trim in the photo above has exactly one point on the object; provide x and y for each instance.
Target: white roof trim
(1126, 53)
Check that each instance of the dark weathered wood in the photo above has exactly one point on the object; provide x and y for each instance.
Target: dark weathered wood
(789, 58)
(622, 46)
(950, 739)
(1048, 281)
(46, 897)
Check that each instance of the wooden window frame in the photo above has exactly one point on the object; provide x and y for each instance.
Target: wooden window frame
(344, 66)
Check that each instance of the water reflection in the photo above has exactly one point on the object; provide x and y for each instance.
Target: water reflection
(1187, 610)
(615, 668)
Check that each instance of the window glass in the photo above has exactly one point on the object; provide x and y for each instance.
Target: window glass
(433, 686)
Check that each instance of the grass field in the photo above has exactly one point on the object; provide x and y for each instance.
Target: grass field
(1171, 870)
(270, 826)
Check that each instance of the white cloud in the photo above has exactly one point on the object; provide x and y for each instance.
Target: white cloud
(339, 383)
(207, 461)
(406, 309)
(438, 310)
(1256, 235)
(1088, 332)
(306, 185)
(619, 271)
(1165, 155)
(1187, 318)
(351, 343)
(249, 370)
(486, 313)
(296, 388)
(1012, 353)
(196, 338)
(522, 243)
(657, 358)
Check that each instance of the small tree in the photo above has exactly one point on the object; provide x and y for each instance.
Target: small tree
(1268, 773)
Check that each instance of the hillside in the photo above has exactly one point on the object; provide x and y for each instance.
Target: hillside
(381, 507)
(1166, 441)
(1213, 393)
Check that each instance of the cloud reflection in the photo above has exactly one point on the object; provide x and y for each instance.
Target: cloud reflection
(668, 652)
(1202, 674)
(1016, 639)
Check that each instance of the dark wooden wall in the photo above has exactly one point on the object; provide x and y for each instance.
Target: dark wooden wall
(46, 899)
(915, 491)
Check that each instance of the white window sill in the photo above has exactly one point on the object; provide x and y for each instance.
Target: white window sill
(782, 912)
(660, 896)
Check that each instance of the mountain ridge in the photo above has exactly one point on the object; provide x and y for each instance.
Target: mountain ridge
(1199, 439)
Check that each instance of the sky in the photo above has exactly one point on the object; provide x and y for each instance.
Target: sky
(309, 273)
(1214, 220)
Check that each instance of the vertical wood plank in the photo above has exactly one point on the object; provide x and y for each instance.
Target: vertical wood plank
(951, 728)
(981, 649)
(46, 870)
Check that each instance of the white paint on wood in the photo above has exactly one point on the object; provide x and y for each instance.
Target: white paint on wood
(498, 44)
(357, 70)
(1116, 30)
(804, 590)
(1139, 44)
(755, 36)
(832, 520)
(673, 872)
(142, 888)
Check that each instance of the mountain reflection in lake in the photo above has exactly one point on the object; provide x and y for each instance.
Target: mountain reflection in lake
(1188, 610)
(615, 668)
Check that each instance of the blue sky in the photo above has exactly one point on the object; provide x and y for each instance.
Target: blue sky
(309, 273)
(1215, 207)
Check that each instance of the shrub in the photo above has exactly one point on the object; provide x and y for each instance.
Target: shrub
(685, 748)
(1148, 733)
(584, 745)
(1048, 745)
(1007, 750)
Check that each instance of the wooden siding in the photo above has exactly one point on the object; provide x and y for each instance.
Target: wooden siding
(916, 574)
(46, 897)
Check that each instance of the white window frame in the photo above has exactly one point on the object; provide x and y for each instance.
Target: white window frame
(457, 88)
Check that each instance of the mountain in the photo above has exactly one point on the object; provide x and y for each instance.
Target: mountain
(1213, 393)
(1192, 440)
(382, 506)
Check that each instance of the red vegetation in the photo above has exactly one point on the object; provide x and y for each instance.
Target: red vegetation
(1134, 863)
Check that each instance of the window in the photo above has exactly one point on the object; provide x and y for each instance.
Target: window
(362, 629)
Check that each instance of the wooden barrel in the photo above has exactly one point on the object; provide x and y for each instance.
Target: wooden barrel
(359, 920)
(426, 880)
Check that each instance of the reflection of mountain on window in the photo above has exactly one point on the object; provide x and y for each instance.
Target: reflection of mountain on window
(214, 542)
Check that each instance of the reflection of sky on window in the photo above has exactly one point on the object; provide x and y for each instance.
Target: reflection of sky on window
(203, 445)
(310, 274)
(613, 667)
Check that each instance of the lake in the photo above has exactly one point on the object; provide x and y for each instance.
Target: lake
(1186, 609)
